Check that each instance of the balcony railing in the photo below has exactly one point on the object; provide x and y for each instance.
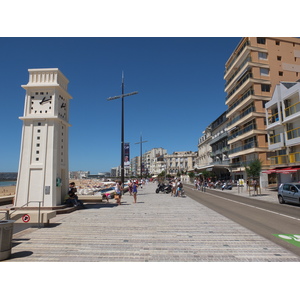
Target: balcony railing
(247, 146)
(274, 139)
(242, 131)
(240, 100)
(273, 118)
(294, 157)
(237, 56)
(248, 59)
(285, 159)
(292, 109)
(279, 159)
(243, 114)
(293, 133)
(241, 82)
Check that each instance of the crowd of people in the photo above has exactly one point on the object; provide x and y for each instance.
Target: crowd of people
(221, 184)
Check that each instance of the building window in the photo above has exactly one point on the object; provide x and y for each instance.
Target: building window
(264, 72)
(262, 55)
(265, 88)
(37, 145)
(277, 43)
(261, 40)
(278, 57)
(280, 73)
(37, 159)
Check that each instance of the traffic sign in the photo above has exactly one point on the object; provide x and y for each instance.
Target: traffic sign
(26, 218)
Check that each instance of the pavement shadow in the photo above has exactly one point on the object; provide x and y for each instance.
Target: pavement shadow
(100, 205)
(21, 254)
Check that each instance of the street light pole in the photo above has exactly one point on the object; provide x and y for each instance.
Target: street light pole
(141, 153)
(122, 124)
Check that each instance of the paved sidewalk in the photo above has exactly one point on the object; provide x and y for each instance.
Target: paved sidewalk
(264, 194)
(159, 228)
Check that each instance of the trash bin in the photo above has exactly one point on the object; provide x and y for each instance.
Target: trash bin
(6, 232)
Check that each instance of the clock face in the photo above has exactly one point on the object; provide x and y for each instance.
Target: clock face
(62, 107)
(40, 102)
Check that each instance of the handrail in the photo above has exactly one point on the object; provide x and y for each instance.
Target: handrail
(292, 109)
(39, 211)
(6, 214)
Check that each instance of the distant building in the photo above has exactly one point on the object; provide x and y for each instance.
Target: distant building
(154, 161)
(180, 162)
(113, 172)
(204, 159)
(219, 148)
(79, 174)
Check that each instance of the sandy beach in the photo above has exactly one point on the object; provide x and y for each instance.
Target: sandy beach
(7, 190)
(80, 184)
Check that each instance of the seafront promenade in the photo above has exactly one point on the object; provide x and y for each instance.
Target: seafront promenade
(159, 228)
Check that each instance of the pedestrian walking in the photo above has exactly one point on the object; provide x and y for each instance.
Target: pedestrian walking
(134, 191)
(118, 190)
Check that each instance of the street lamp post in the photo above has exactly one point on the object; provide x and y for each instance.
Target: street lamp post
(122, 124)
(141, 153)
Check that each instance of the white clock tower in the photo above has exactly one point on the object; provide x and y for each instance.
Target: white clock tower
(43, 168)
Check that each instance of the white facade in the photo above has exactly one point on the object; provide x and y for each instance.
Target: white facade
(43, 168)
(153, 160)
(283, 127)
(182, 161)
(204, 150)
(283, 119)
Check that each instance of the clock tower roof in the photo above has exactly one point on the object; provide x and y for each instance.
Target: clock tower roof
(46, 77)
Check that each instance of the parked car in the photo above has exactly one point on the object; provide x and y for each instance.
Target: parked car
(289, 192)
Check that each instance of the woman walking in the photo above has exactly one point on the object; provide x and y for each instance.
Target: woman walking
(118, 189)
(134, 191)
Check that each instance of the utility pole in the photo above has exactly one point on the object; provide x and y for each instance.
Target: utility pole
(141, 153)
(122, 96)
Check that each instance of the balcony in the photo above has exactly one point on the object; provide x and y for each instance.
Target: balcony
(243, 52)
(243, 99)
(234, 77)
(293, 133)
(247, 146)
(279, 160)
(242, 131)
(273, 118)
(242, 115)
(274, 139)
(246, 78)
(285, 159)
(292, 110)
(294, 157)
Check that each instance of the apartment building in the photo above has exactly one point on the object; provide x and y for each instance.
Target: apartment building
(219, 148)
(283, 127)
(178, 162)
(204, 159)
(154, 160)
(252, 72)
(213, 149)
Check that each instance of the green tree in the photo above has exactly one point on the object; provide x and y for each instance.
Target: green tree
(191, 175)
(254, 168)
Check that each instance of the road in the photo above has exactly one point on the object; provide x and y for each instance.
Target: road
(263, 218)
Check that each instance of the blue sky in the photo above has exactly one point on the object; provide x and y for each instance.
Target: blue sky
(179, 80)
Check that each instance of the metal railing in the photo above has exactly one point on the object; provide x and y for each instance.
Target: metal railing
(292, 109)
(7, 214)
(293, 133)
(274, 139)
(273, 118)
